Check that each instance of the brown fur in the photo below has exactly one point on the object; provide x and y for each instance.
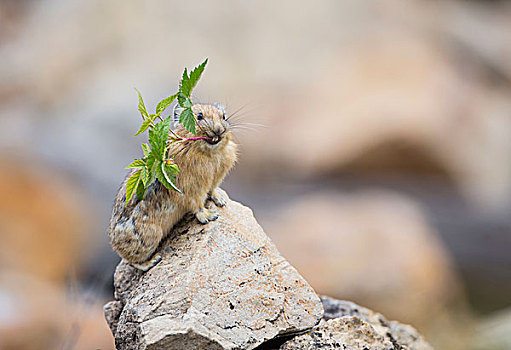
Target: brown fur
(137, 229)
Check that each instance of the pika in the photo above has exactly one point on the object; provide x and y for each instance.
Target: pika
(136, 229)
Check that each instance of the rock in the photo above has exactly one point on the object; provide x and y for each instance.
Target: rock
(468, 22)
(493, 332)
(38, 315)
(350, 326)
(373, 247)
(430, 116)
(45, 221)
(402, 82)
(219, 286)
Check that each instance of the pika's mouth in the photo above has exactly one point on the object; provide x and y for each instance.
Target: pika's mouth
(213, 140)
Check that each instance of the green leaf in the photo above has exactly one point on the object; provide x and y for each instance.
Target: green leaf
(145, 176)
(152, 165)
(188, 120)
(196, 74)
(184, 101)
(137, 163)
(132, 184)
(184, 81)
(145, 125)
(166, 179)
(189, 82)
(171, 169)
(158, 138)
(146, 149)
(141, 105)
(165, 103)
(141, 190)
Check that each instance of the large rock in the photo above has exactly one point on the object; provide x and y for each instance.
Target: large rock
(45, 221)
(220, 286)
(350, 326)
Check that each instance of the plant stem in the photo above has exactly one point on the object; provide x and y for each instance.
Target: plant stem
(197, 138)
(176, 135)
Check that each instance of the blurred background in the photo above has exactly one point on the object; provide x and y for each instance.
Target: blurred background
(382, 171)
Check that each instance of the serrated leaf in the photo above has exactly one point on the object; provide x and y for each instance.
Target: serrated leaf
(141, 105)
(184, 101)
(166, 179)
(188, 82)
(158, 138)
(171, 169)
(184, 80)
(151, 175)
(132, 184)
(152, 165)
(141, 190)
(137, 163)
(146, 149)
(188, 120)
(145, 125)
(145, 176)
(163, 104)
(196, 73)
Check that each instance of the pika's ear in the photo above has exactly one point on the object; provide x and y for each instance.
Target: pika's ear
(219, 106)
(176, 114)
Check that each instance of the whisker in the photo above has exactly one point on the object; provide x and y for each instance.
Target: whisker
(234, 120)
(245, 112)
(239, 119)
(236, 117)
(241, 131)
(236, 138)
(243, 128)
(236, 111)
(181, 149)
(249, 124)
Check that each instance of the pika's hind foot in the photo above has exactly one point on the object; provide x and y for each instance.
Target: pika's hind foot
(146, 265)
(218, 198)
(206, 215)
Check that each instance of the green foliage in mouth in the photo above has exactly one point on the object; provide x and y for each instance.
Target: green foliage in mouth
(157, 162)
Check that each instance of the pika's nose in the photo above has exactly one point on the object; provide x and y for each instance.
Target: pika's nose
(218, 130)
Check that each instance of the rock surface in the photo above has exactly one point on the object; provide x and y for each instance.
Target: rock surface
(219, 286)
(347, 325)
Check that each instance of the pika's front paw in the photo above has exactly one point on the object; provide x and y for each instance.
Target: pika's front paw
(149, 263)
(206, 215)
(218, 198)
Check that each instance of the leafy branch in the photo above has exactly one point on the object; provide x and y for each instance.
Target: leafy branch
(157, 164)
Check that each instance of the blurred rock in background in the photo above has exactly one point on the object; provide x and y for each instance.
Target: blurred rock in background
(412, 98)
(377, 249)
(35, 314)
(494, 332)
(44, 221)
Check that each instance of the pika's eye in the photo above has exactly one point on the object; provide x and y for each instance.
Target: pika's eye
(200, 116)
(223, 116)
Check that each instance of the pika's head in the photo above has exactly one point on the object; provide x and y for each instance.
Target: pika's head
(211, 121)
